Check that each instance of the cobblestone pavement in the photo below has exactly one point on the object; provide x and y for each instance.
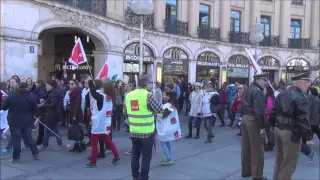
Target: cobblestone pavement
(193, 160)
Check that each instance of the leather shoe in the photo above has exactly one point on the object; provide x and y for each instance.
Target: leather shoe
(245, 175)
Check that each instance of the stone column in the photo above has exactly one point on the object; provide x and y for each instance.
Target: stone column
(285, 22)
(159, 14)
(254, 11)
(193, 17)
(314, 36)
(276, 19)
(182, 10)
(216, 14)
(225, 20)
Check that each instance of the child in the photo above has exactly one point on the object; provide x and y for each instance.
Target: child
(171, 112)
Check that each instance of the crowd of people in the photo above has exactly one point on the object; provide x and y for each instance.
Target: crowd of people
(86, 105)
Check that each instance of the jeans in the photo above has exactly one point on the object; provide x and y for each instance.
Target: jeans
(229, 110)
(116, 120)
(167, 149)
(188, 105)
(181, 99)
(141, 146)
(208, 124)
(305, 149)
(16, 134)
(47, 135)
(94, 143)
(10, 144)
(197, 124)
(39, 140)
(315, 129)
(222, 111)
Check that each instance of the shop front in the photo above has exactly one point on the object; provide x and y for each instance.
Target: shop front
(271, 66)
(175, 64)
(238, 69)
(296, 66)
(132, 59)
(208, 67)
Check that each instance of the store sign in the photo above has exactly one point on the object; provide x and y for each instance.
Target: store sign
(297, 68)
(269, 63)
(137, 58)
(238, 72)
(238, 65)
(207, 63)
(60, 67)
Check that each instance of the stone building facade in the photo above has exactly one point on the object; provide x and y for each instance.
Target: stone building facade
(195, 39)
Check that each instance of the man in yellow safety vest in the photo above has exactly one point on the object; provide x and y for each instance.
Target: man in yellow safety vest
(140, 107)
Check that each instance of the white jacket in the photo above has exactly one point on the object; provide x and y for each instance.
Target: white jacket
(206, 111)
(196, 103)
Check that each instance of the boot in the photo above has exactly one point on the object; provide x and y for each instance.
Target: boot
(189, 136)
(83, 146)
(75, 147)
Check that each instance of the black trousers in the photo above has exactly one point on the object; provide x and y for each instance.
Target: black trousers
(39, 140)
(141, 146)
(181, 100)
(116, 120)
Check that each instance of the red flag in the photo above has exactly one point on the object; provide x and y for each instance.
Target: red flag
(65, 74)
(103, 72)
(78, 56)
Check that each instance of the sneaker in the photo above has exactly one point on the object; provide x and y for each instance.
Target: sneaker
(115, 161)
(36, 157)
(310, 157)
(90, 165)
(6, 151)
(107, 151)
(14, 160)
(59, 148)
(128, 152)
(26, 149)
(166, 161)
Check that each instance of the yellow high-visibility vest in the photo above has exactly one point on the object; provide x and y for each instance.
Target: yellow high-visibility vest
(141, 119)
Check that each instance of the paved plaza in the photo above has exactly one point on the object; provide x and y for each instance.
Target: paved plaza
(193, 160)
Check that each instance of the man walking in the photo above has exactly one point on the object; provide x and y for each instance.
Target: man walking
(253, 129)
(140, 107)
(292, 124)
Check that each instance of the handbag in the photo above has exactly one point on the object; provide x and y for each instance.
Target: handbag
(75, 133)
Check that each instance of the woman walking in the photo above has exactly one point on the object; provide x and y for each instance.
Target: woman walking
(270, 102)
(76, 115)
(22, 108)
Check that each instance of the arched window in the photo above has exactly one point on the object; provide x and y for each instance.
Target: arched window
(175, 64)
(134, 49)
(208, 67)
(208, 59)
(238, 61)
(269, 63)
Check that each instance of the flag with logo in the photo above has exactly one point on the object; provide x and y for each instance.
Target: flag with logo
(78, 56)
(103, 72)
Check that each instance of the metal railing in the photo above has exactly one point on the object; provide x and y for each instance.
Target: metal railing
(207, 32)
(133, 19)
(299, 43)
(239, 37)
(176, 27)
(271, 41)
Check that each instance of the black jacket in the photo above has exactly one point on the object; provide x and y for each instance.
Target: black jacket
(254, 103)
(51, 108)
(314, 110)
(22, 109)
(292, 111)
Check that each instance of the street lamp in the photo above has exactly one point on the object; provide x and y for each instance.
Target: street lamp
(256, 36)
(141, 7)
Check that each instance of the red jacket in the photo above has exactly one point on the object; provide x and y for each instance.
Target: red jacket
(237, 103)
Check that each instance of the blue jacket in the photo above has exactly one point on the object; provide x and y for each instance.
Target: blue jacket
(231, 92)
(21, 109)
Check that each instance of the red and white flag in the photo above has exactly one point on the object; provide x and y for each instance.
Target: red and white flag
(254, 68)
(78, 56)
(65, 73)
(103, 72)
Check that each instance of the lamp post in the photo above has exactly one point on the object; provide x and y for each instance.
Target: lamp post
(141, 7)
(256, 37)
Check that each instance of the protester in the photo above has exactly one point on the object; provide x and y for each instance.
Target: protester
(170, 99)
(101, 103)
(118, 102)
(270, 103)
(31, 85)
(22, 108)
(314, 111)
(224, 101)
